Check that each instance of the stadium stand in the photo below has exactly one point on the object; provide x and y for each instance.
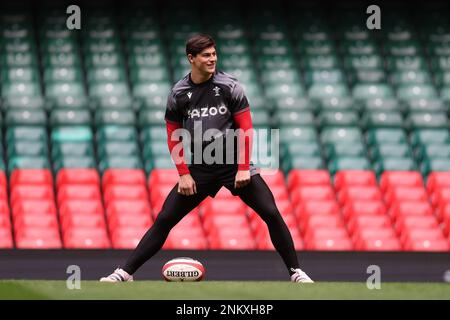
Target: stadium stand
(363, 119)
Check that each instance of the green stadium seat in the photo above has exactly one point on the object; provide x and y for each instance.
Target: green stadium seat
(395, 164)
(21, 89)
(307, 134)
(416, 91)
(349, 163)
(115, 117)
(338, 118)
(341, 135)
(116, 133)
(25, 133)
(27, 148)
(76, 149)
(70, 117)
(433, 165)
(302, 162)
(341, 150)
(382, 120)
(293, 149)
(430, 136)
(74, 162)
(371, 91)
(71, 134)
(61, 89)
(386, 135)
(434, 151)
(22, 117)
(121, 162)
(108, 149)
(106, 74)
(106, 89)
(399, 150)
(324, 91)
(62, 74)
(332, 76)
(430, 120)
(301, 118)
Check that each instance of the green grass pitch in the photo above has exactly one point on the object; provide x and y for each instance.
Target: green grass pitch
(220, 290)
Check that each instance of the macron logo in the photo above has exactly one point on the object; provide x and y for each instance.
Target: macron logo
(189, 94)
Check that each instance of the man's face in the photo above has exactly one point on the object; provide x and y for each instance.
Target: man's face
(205, 61)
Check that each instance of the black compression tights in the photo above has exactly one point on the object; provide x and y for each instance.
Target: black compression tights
(256, 195)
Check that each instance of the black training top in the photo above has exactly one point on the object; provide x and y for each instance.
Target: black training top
(211, 103)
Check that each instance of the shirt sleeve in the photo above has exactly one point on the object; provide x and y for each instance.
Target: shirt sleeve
(239, 102)
(173, 113)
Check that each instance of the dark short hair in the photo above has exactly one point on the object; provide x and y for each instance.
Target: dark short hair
(198, 43)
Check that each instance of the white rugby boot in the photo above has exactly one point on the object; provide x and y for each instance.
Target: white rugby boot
(300, 276)
(119, 275)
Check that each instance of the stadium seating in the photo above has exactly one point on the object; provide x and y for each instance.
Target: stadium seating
(363, 125)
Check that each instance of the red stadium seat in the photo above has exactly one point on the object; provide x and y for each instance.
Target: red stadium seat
(443, 212)
(5, 221)
(36, 233)
(329, 244)
(357, 208)
(128, 207)
(374, 244)
(127, 237)
(438, 180)
(28, 192)
(308, 193)
(212, 223)
(129, 220)
(279, 192)
(123, 177)
(31, 176)
(224, 194)
(284, 206)
(263, 241)
(359, 193)
(6, 239)
(347, 178)
(398, 194)
(368, 221)
(3, 180)
(410, 236)
(4, 207)
(274, 178)
(38, 243)
(34, 207)
(78, 192)
(313, 222)
(3, 194)
(300, 178)
(77, 176)
(125, 192)
(223, 207)
(258, 225)
(86, 238)
(160, 193)
(187, 239)
(391, 179)
(427, 245)
(87, 207)
(440, 197)
(232, 239)
(406, 222)
(160, 177)
(410, 208)
(325, 233)
(314, 207)
(70, 221)
(33, 220)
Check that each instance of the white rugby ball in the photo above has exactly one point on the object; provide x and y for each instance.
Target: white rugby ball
(183, 269)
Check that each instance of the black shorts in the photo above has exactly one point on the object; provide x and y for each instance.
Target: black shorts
(211, 178)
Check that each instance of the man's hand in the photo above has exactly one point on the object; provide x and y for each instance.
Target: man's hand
(242, 178)
(186, 185)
